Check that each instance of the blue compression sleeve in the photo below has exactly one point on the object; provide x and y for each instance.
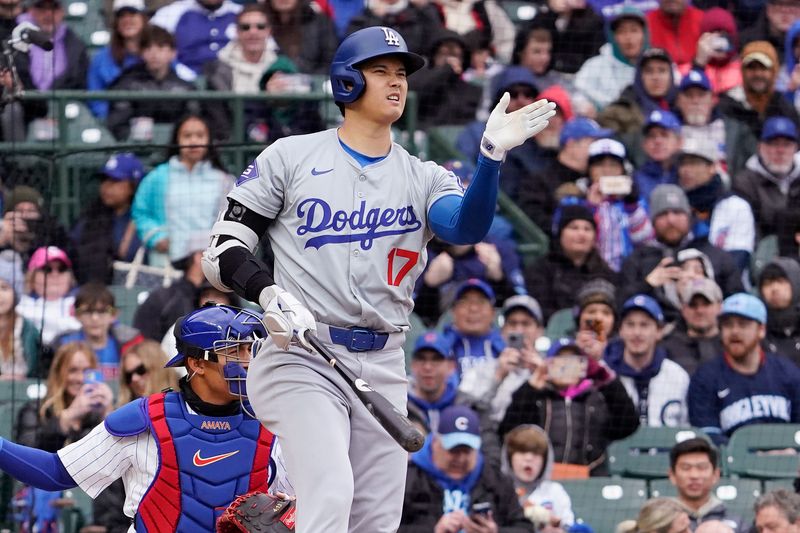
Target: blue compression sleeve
(466, 220)
(38, 468)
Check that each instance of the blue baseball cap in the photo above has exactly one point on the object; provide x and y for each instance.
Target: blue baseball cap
(695, 78)
(459, 426)
(644, 303)
(562, 344)
(777, 127)
(664, 119)
(437, 342)
(580, 128)
(744, 305)
(124, 167)
(475, 284)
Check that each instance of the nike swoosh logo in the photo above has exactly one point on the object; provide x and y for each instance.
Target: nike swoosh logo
(315, 172)
(200, 461)
(724, 392)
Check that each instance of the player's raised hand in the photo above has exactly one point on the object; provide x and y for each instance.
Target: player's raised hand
(505, 131)
(285, 318)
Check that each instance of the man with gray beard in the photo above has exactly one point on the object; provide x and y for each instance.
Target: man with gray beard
(700, 119)
(769, 181)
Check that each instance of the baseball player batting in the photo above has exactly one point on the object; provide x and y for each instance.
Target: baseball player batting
(183, 456)
(348, 214)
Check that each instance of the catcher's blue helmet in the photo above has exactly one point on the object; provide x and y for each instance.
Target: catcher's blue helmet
(214, 327)
(346, 80)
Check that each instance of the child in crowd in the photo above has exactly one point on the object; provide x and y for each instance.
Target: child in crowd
(94, 309)
(528, 459)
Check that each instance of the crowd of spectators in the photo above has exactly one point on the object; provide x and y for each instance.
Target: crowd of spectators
(669, 172)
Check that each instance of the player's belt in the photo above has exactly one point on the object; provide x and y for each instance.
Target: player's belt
(358, 339)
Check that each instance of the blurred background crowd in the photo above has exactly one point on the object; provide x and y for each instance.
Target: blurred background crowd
(637, 297)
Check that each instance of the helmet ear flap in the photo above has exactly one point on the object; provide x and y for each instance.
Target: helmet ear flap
(353, 77)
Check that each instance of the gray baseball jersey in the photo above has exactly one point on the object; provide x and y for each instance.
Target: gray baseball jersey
(349, 242)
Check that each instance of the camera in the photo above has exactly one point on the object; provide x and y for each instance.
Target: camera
(516, 340)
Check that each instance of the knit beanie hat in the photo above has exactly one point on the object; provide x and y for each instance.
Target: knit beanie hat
(569, 212)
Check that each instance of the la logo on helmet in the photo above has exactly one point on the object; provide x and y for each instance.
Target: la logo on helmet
(392, 39)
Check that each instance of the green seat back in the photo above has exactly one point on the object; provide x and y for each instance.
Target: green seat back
(645, 454)
(739, 495)
(760, 451)
(604, 502)
(127, 301)
(417, 329)
(561, 324)
(766, 251)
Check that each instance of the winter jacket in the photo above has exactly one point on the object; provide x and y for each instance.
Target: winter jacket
(733, 104)
(417, 24)
(580, 428)
(537, 195)
(138, 78)
(783, 325)
(77, 62)
(317, 40)
(160, 207)
(444, 96)
(103, 72)
(725, 219)
(714, 509)
(426, 499)
(690, 352)
(163, 307)
(543, 491)
(766, 193)
(680, 39)
(658, 390)
(652, 174)
(602, 78)
(644, 259)
(96, 238)
(45, 433)
(52, 317)
(473, 350)
(721, 400)
(24, 358)
(574, 43)
(199, 33)
(554, 280)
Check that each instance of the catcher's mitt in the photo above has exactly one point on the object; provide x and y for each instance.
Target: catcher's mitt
(257, 512)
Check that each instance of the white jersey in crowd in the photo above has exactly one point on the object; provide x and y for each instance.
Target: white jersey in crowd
(666, 396)
(349, 242)
(101, 458)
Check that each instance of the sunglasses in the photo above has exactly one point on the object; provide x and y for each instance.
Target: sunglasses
(95, 310)
(248, 27)
(49, 269)
(525, 93)
(140, 370)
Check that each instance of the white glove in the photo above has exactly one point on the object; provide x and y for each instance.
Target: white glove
(505, 131)
(285, 318)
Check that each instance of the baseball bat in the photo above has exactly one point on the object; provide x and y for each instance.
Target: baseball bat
(393, 421)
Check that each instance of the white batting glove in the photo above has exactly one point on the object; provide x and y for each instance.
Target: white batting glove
(285, 318)
(505, 131)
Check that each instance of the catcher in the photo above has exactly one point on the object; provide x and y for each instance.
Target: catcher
(183, 456)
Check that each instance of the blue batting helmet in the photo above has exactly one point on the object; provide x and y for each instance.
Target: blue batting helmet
(346, 80)
(214, 327)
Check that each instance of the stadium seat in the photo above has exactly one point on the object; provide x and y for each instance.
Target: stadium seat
(766, 250)
(645, 454)
(417, 328)
(442, 143)
(561, 324)
(127, 301)
(78, 515)
(738, 494)
(603, 502)
(774, 484)
(13, 396)
(764, 451)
